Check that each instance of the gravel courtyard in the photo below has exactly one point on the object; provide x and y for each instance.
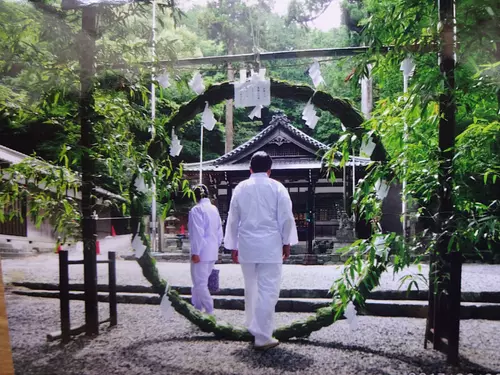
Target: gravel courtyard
(146, 343)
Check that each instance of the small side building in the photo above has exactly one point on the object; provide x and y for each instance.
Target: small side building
(20, 236)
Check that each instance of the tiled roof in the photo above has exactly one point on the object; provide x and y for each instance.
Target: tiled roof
(13, 157)
(279, 120)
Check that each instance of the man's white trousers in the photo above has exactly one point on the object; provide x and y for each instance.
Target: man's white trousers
(262, 290)
(200, 295)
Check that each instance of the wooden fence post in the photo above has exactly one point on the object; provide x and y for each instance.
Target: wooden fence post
(113, 314)
(64, 296)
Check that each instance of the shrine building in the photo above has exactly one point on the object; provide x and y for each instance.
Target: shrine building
(319, 206)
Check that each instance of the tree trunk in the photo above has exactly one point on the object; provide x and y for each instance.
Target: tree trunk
(86, 112)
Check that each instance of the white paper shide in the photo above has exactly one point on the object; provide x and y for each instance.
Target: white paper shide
(367, 147)
(407, 67)
(137, 244)
(196, 83)
(164, 80)
(309, 115)
(381, 189)
(140, 185)
(207, 118)
(175, 145)
(256, 112)
(351, 316)
(166, 309)
(315, 74)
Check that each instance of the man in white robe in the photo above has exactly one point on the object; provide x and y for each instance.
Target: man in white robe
(205, 235)
(260, 230)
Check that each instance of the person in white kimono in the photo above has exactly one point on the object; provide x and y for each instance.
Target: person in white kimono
(260, 230)
(205, 235)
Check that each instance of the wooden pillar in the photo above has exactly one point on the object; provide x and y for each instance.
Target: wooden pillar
(64, 296)
(87, 69)
(6, 363)
(229, 196)
(344, 187)
(229, 111)
(310, 257)
(113, 311)
(443, 321)
(161, 234)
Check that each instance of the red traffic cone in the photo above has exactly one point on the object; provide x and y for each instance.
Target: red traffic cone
(97, 248)
(113, 233)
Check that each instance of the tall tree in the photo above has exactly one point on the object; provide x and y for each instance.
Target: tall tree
(234, 24)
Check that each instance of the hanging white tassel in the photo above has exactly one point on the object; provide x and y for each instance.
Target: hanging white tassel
(207, 118)
(196, 83)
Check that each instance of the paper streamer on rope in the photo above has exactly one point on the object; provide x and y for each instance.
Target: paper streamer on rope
(256, 112)
(207, 118)
(381, 189)
(309, 115)
(253, 91)
(166, 306)
(315, 74)
(351, 316)
(137, 244)
(367, 147)
(140, 185)
(196, 83)
(175, 145)
(164, 80)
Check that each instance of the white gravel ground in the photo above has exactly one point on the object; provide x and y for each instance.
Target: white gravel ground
(44, 268)
(145, 343)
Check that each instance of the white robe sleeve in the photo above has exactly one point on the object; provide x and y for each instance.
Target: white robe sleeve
(286, 220)
(196, 230)
(232, 225)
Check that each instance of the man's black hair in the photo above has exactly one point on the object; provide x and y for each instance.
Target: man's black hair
(200, 192)
(260, 162)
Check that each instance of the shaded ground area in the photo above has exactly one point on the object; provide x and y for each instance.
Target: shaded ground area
(146, 343)
(44, 268)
